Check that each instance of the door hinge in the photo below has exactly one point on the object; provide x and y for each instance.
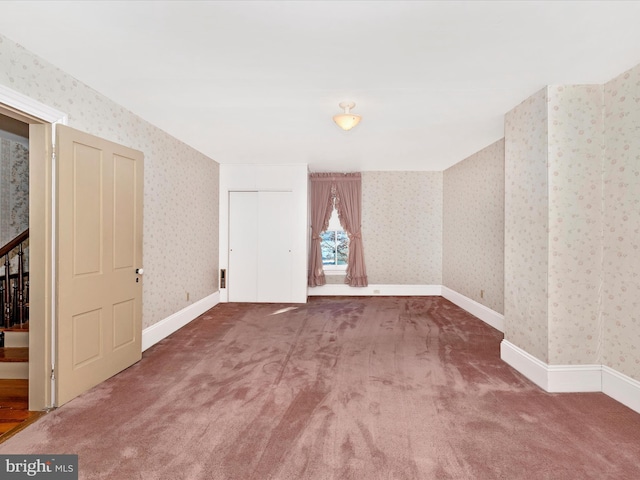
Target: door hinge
(53, 372)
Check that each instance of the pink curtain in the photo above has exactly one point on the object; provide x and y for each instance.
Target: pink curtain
(349, 206)
(321, 206)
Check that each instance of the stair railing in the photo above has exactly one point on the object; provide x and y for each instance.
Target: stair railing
(14, 306)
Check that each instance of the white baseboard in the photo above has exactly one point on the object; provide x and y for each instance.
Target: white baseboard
(573, 378)
(488, 316)
(339, 289)
(622, 388)
(491, 317)
(552, 378)
(156, 332)
(528, 365)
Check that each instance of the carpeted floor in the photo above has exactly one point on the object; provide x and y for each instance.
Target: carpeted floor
(340, 388)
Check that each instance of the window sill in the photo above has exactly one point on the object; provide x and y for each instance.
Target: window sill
(335, 271)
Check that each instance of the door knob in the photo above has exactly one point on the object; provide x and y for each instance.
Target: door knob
(139, 271)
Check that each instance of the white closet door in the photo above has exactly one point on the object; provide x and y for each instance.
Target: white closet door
(242, 282)
(260, 244)
(274, 248)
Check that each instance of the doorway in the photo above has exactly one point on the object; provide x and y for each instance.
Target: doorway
(41, 120)
(14, 280)
(52, 328)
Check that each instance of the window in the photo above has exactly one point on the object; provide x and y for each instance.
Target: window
(335, 246)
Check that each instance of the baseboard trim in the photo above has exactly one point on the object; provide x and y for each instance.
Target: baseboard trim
(158, 331)
(552, 378)
(488, 316)
(622, 388)
(573, 378)
(338, 289)
(525, 363)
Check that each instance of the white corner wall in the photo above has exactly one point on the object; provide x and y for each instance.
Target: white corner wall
(269, 178)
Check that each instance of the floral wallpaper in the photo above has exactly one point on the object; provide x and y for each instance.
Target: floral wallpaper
(575, 222)
(473, 247)
(526, 223)
(14, 189)
(181, 184)
(621, 232)
(402, 227)
(572, 219)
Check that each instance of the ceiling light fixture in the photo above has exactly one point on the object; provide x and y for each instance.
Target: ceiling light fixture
(346, 120)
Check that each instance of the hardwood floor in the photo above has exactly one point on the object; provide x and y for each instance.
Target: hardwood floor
(14, 407)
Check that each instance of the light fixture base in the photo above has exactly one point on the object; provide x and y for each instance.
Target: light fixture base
(346, 106)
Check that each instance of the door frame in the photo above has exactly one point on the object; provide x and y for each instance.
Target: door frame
(42, 121)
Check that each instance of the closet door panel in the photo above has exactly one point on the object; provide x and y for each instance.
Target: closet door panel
(243, 247)
(274, 247)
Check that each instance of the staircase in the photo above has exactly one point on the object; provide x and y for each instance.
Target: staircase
(14, 355)
(14, 311)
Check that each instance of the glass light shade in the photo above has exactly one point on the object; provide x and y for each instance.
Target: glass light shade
(346, 121)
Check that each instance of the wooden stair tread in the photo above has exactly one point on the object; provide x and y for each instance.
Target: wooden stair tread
(18, 328)
(7, 404)
(13, 385)
(14, 354)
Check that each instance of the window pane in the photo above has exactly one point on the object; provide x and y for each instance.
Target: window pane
(334, 242)
(342, 247)
(328, 246)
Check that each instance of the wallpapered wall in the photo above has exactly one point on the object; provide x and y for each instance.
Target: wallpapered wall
(181, 184)
(526, 223)
(473, 249)
(575, 222)
(14, 188)
(402, 227)
(621, 279)
(572, 182)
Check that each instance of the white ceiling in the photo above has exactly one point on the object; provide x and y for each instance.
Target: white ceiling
(258, 82)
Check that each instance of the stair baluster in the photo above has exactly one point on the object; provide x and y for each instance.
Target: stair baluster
(2, 300)
(7, 293)
(13, 306)
(20, 288)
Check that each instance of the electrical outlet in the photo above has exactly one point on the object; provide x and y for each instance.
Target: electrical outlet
(187, 296)
(481, 293)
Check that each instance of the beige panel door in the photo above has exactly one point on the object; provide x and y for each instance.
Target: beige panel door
(99, 247)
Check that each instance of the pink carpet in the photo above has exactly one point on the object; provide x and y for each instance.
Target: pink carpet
(340, 388)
